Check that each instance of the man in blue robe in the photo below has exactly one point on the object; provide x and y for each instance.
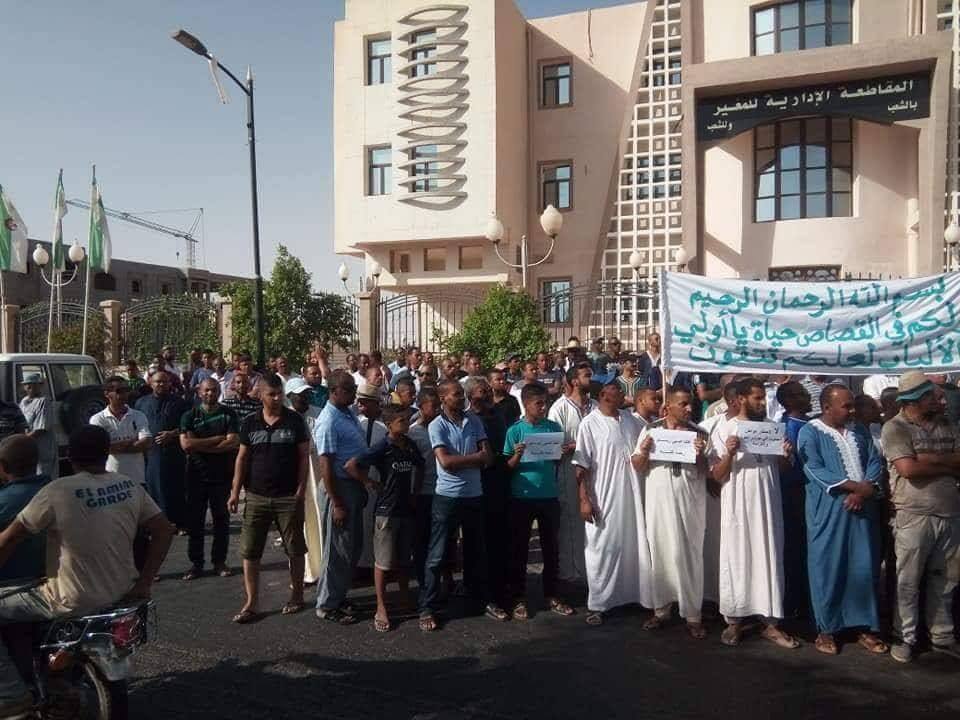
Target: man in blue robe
(166, 463)
(843, 470)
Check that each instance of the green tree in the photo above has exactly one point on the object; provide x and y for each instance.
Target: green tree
(506, 322)
(294, 316)
(69, 337)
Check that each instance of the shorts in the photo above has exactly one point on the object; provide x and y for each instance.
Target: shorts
(392, 542)
(260, 513)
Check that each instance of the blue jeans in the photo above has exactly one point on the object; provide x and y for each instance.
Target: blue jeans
(25, 605)
(448, 514)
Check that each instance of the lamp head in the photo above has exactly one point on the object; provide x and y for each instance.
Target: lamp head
(76, 253)
(494, 231)
(952, 234)
(681, 257)
(551, 221)
(375, 269)
(635, 260)
(344, 272)
(40, 256)
(190, 42)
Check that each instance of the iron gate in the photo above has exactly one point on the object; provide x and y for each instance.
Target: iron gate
(32, 321)
(423, 320)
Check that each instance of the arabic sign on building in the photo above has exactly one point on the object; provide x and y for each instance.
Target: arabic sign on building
(885, 100)
(832, 328)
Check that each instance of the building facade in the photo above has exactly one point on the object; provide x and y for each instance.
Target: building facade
(790, 140)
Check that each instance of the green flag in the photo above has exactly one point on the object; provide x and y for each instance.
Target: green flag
(13, 236)
(99, 238)
(59, 210)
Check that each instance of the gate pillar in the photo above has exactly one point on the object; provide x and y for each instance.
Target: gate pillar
(112, 310)
(367, 302)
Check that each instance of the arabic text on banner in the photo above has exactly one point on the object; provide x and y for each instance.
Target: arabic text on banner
(843, 328)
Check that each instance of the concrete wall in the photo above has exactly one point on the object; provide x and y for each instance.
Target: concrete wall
(871, 241)
(603, 46)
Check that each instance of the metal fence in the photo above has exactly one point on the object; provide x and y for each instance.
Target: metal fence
(423, 320)
(32, 322)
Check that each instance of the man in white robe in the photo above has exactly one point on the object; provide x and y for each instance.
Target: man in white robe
(751, 537)
(568, 412)
(675, 506)
(617, 556)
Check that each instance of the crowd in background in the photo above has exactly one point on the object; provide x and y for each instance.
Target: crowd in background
(413, 466)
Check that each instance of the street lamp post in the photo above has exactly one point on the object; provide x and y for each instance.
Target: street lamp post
(343, 272)
(56, 282)
(194, 45)
(551, 221)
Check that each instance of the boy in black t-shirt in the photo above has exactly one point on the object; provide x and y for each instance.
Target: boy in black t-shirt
(401, 473)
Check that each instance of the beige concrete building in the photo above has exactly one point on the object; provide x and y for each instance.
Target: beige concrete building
(808, 138)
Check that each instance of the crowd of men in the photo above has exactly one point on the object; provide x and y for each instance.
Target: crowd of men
(420, 467)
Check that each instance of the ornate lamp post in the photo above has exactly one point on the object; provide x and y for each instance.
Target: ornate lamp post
(551, 221)
(56, 282)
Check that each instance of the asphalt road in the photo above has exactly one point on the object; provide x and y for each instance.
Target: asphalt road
(203, 666)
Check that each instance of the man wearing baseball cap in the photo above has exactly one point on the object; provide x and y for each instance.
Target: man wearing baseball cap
(922, 449)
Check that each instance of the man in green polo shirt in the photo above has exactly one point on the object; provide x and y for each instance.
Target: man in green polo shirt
(534, 490)
(209, 435)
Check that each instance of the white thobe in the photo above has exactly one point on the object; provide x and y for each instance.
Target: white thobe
(567, 414)
(751, 535)
(617, 555)
(312, 512)
(378, 433)
(675, 507)
(711, 536)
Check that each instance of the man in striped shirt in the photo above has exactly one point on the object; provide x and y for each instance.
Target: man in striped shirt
(240, 401)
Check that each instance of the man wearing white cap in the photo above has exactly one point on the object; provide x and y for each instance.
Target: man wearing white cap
(923, 453)
(38, 412)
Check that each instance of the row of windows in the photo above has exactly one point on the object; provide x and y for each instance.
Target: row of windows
(556, 177)
(556, 77)
(469, 257)
(801, 25)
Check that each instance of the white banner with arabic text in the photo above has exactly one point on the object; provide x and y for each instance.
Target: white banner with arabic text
(857, 327)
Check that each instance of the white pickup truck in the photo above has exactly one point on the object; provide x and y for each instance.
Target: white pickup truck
(73, 381)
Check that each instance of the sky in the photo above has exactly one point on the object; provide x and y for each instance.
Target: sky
(110, 87)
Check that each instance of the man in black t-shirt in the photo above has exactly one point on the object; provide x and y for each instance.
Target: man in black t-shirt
(209, 437)
(272, 465)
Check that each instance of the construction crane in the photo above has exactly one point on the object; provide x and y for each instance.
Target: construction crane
(187, 235)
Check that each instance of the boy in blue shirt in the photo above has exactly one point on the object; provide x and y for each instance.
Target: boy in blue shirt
(398, 462)
(534, 492)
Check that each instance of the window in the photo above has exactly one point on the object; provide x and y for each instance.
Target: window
(556, 85)
(801, 25)
(67, 377)
(471, 257)
(379, 170)
(557, 183)
(104, 281)
(555, 296)
(423, 53)
(379, 66)
(164, 288)
(803, 169)
(424, 168)
(434, 259)
(136, 287)
(399, 262)
(31, 369)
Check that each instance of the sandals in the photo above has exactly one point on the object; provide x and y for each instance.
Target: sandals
(292, 607)
(594, 618)
(779, 638)
(872, 644)
(192, 574)
(496, 613)
(337, 617)
(826, 644)
(731, 635)
(245, 617)
(696, 630)
(380, 625)
(428, 623)
(520, 611)
(560, 608)
(223, 571)
(655, 623)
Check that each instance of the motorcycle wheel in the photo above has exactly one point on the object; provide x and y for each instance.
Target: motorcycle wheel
(102, 699)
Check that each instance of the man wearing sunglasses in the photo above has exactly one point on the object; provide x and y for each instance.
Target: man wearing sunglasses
(129, 430)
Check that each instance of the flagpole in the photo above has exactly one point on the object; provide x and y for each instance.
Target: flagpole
(3, 316)
(53, 288)
(86, 285)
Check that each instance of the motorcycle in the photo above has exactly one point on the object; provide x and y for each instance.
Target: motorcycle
(78, 666)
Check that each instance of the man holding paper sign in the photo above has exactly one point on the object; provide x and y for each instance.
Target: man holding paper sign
(670, 455)
(751, 534)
